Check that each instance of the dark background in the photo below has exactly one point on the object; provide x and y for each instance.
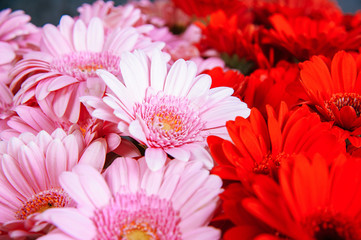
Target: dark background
(50, 11)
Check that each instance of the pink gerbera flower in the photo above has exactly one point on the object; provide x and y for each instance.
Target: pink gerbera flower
(171, 112)
(132, 202)
(64, 69)
(30, 166)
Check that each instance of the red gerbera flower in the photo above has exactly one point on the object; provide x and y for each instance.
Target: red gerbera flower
(335, 91)
(261, 146)
(304, 37)
(271, 86)
(315, 9)
(312, 201)
(225, 34)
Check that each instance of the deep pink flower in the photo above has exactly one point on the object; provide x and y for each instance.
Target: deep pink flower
(171, 112)
(132, 202)
(30, 166)
(64, 69)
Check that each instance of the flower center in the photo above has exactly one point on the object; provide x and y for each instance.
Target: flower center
(137, 217)
(38, 203)
(82, 65)
(325, 225)
(270, 164)
(138, 235)
(171, 121)
(341, 100)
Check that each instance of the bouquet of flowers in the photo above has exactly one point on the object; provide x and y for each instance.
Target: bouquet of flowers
(182, 119)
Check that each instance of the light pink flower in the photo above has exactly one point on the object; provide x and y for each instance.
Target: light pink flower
(178, 46)
(171, 112)
(64, 69)
(132, 202)
(30, 167)
(163, 13)
(113, 16)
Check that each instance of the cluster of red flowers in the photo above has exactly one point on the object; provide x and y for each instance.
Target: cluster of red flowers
(291, 170)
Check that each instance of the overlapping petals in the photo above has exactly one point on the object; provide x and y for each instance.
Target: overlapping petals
(334, 90)
(169, 111)
(130, 200)
(30, 166)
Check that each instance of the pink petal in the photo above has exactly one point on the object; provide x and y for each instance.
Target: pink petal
(176, 74)
(199, 218)
(57, 236)
(118, 88)
(54, 41)
(35, 118)
(95, 35)
(113, 140)
(13, 173)
(190, 184)
(93, 184)
(202, 233)
(79, 36)
(7, 53)
(135, 73)
(71, 222)
(179, 153)
(71, 145)
(6, 94)
(136, 129)
(181, 87)
(123, 172)
(33, 161)
(55, 161)
(122, 40)
(155, 158)
(66, 27)
(71, 184)
(199, 153)
(61, 101)
(158, 72)
(61, 82)
(73, 111)
(202, 84)
(41, 90)
(94, 155)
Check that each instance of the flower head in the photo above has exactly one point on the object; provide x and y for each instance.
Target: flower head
(170, 112)
(261, 145)
(64, 69)
(132, 202)
(30, 167)
(334, 91)
(311, 201)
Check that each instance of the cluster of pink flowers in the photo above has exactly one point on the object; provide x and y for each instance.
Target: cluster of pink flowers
(104, 121)
(182, 120)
